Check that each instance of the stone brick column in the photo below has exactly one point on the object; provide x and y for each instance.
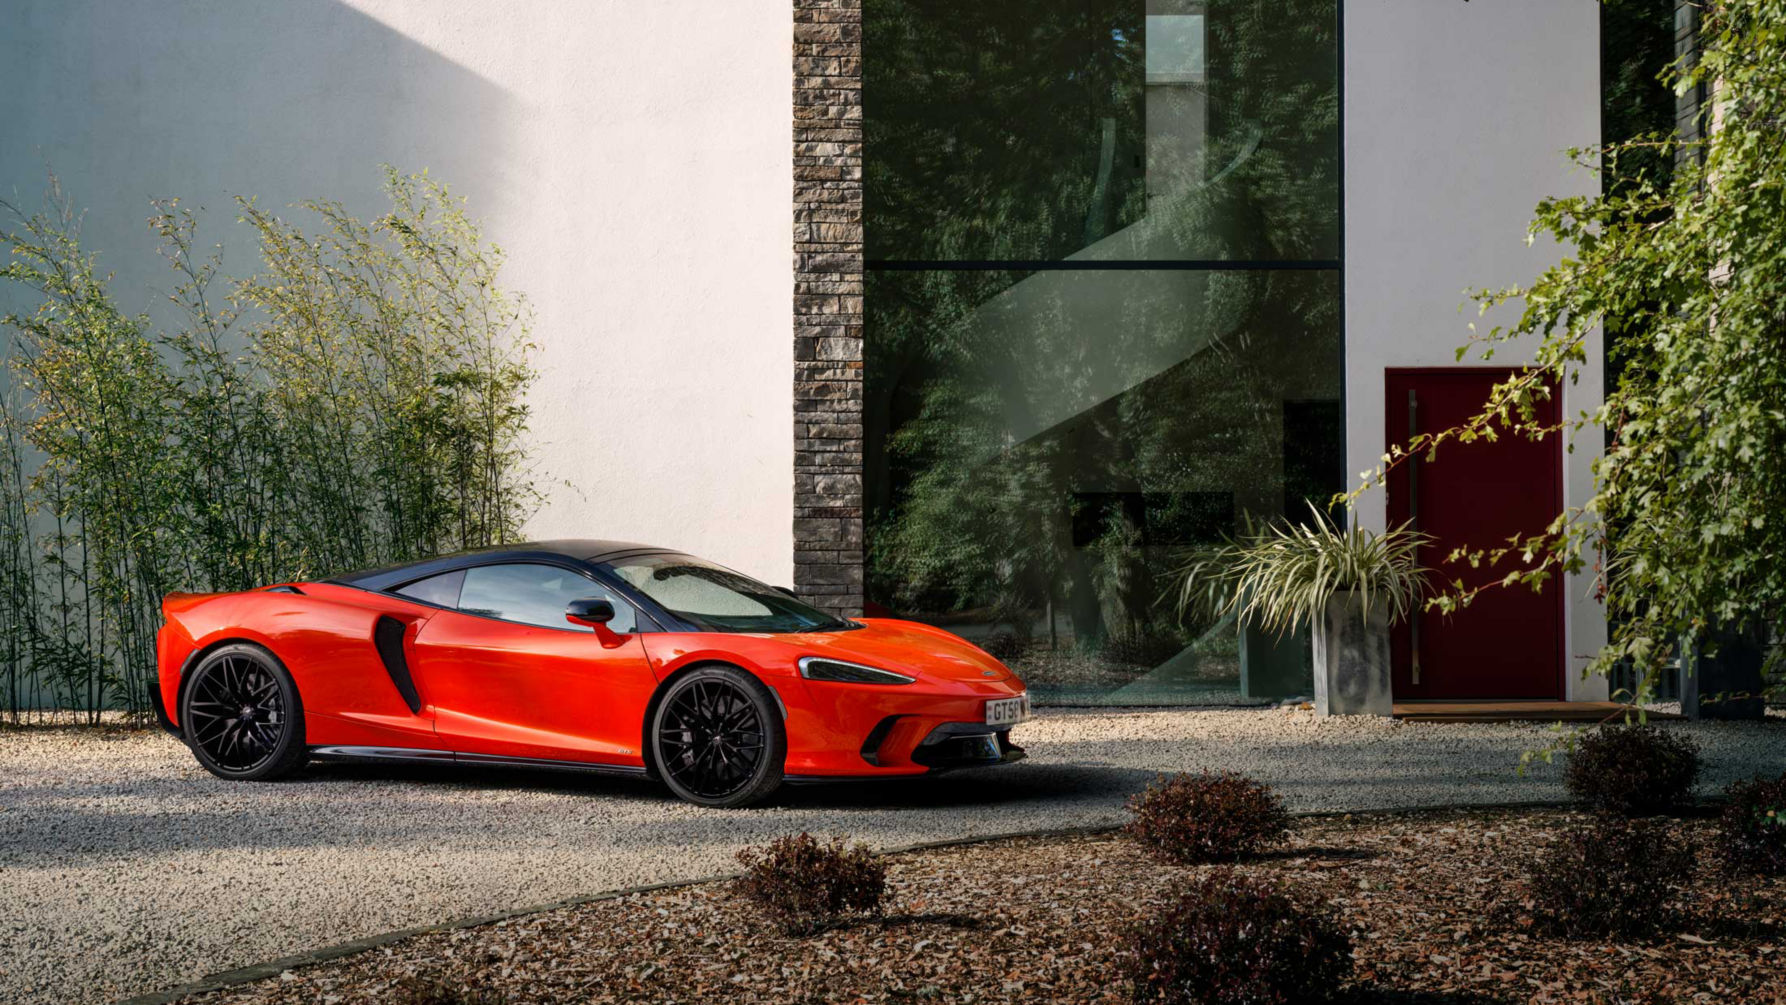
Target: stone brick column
(1690, 109)
(828, 303)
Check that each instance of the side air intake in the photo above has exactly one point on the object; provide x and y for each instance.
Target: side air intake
(387, 636)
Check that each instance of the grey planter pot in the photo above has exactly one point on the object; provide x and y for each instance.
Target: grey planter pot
(1351, 656)
(1711, 683)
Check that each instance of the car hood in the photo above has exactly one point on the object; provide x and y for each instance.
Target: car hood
(907, 647)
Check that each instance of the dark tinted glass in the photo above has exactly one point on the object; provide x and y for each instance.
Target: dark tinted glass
(718, 599)
(1045, 130)
(441, 590)
(1102, 323)
(1044, 449)
(536, 595)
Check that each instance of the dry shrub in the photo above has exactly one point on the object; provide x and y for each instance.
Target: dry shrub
(434, 989)
(1207, 818)
(1633, 770)
(1613, 878)
(808, 885)
(1230, 940)
(1752, 829)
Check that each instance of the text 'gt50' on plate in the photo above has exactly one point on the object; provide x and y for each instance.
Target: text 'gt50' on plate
(588, 655)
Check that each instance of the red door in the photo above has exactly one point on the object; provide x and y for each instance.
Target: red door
(1509, 642)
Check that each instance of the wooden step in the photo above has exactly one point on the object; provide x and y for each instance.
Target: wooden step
(1517, 711)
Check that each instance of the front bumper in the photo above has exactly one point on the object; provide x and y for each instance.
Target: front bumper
(858, 732)
(966, 745)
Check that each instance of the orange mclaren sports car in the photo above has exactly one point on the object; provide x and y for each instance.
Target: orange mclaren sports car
(583, 655)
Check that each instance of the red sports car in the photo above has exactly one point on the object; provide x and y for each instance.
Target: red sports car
(586, 655)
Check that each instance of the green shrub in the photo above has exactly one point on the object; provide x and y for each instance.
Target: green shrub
(1613, 878)
(1752, 828)
(1207, 818)
(808, 885)
(1633, 770)
(1229, 940)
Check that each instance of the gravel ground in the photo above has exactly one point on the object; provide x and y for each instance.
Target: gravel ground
(125, 868)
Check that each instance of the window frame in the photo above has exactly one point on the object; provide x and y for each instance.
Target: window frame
(399, 588)
(642, 619)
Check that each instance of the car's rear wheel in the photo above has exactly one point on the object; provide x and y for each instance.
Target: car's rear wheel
(717, 738)
(242, 716)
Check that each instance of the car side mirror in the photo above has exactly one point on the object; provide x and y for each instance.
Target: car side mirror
(591, 611)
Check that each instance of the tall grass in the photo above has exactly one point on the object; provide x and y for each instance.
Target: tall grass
(1282, 574)
(359, 399)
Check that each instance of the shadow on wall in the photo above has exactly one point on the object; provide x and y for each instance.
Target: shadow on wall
(281, 100)
(204, 100)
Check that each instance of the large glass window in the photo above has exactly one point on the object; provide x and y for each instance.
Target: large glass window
(1101, 324)
(1101, 130)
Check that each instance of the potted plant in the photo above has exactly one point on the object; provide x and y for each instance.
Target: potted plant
(1346, 583)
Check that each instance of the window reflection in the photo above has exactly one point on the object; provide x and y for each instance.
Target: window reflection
(536, 595)
(1043, 449)
(1072, 130)
(1052, 423)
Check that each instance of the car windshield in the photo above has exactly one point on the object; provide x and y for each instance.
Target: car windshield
(719, 600)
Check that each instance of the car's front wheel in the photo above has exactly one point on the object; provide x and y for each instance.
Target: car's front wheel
(242, 716)
(717, 738)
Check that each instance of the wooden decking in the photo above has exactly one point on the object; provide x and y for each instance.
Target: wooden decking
(1514, 711)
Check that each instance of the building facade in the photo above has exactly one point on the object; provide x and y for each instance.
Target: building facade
(1133, 274)
(1075, 287)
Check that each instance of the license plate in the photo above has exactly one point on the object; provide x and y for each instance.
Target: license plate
(1007, 711)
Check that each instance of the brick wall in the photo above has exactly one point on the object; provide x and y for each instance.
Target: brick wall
(828, 303)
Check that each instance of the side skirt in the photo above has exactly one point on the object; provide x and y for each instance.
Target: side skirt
(419, 755)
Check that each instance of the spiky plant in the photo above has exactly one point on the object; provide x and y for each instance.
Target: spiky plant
(1281, 574)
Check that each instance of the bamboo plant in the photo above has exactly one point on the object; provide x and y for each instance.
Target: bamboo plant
(359, 399)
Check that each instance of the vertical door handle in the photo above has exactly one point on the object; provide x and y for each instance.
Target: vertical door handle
(1414, 525)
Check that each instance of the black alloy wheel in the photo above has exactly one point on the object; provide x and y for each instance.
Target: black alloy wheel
(241, 715)
(718, 739)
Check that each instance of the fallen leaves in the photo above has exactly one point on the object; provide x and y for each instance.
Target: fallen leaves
(1433, 901)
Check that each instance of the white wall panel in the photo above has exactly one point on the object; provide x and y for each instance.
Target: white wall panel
(633, 159)
(1458, 117)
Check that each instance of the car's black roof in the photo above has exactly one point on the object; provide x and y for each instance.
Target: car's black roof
(576, 549)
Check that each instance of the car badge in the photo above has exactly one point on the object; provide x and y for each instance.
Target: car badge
(989, 673)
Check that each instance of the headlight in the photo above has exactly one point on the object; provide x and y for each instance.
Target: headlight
(820, 668)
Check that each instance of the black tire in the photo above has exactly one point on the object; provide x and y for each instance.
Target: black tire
(241, 715)
(717, 738)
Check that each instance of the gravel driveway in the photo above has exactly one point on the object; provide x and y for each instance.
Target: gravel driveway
(125, 868)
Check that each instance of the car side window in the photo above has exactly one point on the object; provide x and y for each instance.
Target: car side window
(536, 595)
(441, 590)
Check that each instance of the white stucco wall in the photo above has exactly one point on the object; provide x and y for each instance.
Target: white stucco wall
(633, 159)
(1457, 119)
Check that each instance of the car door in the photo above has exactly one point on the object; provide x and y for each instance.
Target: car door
(507, 675)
